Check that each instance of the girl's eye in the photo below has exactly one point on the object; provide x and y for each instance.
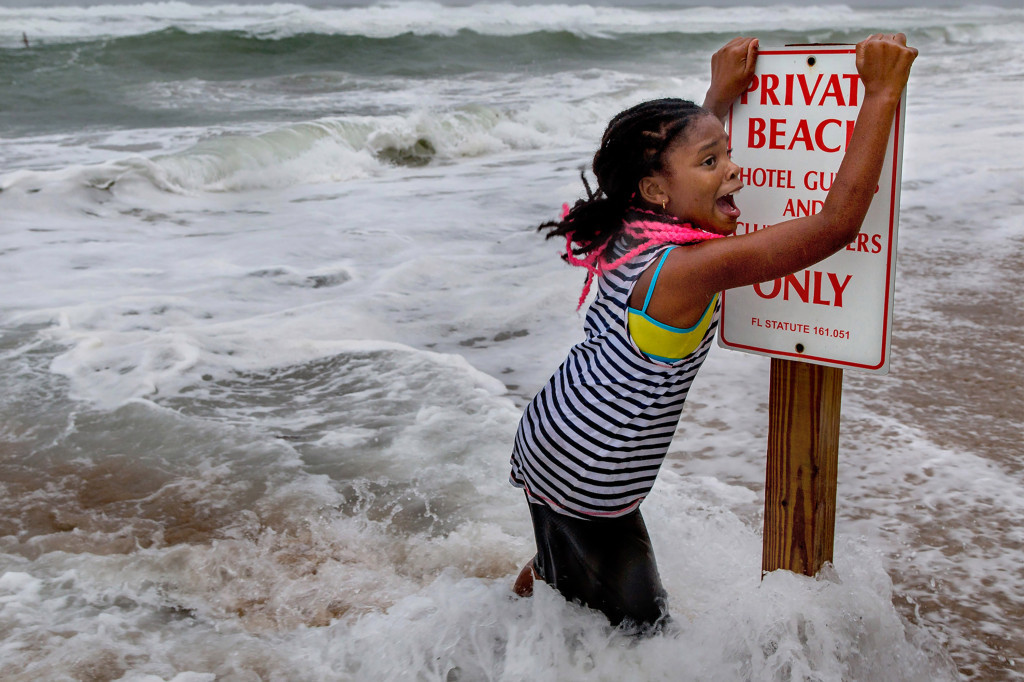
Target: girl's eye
(710, 161)
(728, 153)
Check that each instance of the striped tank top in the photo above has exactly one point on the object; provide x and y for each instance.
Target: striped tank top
(592, 441)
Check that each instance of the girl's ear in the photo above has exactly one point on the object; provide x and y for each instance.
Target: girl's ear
(651, 191)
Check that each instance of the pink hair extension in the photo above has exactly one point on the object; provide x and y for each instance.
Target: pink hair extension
(647, 232)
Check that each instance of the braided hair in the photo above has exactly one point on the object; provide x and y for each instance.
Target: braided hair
(631, 149)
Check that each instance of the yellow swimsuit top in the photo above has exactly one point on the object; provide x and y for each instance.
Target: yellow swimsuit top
(660, 341)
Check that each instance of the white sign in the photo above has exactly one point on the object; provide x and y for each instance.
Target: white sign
(789, 132)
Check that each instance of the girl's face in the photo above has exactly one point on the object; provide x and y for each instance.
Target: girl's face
(698, 179)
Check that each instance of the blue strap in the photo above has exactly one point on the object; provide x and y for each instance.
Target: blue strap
(654, 280)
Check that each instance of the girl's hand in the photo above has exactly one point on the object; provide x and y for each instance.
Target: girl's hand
(883, 61)
(732, 67)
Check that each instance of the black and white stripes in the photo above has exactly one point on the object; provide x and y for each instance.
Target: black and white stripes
(592, 441)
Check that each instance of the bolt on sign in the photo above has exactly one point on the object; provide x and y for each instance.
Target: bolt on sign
(789, 132)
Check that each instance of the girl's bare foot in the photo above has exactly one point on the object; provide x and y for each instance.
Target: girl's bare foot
(524, 583)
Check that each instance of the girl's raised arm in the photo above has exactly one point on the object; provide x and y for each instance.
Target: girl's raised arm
(693, 275)
(732, 67)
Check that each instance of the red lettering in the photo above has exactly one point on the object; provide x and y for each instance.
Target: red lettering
(834, 90)
(776, 285)
(801, 291)
(800, 208)
(769, 82)
(817, 290)
(816, 180)
(776, 132)
(755, 134)
(838, 289)
(854, 79)
(803, 134)
(773, 133)
(866, 243)
(819, 135)
(809, 96)
(767, 177)
(859, 244)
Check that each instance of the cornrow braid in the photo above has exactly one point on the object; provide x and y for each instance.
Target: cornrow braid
(632, 148)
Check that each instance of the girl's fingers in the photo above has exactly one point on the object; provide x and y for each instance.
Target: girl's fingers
(752, 48)
(884, 60)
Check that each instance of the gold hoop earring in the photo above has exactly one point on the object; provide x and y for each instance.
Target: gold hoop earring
(664, 205)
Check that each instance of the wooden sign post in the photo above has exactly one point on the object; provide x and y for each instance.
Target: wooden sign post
(803, 457)
(789, 131)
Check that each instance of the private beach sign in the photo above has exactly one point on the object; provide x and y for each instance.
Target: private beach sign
(789, 132)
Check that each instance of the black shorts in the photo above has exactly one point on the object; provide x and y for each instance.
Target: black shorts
(606, 564)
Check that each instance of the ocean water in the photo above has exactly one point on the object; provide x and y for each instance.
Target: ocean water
(271, 303)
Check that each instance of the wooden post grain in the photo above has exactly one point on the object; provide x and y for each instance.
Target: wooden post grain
(803, 449)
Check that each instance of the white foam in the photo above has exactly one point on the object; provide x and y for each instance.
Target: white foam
(19, 587)
(391, 607)
(329, 150)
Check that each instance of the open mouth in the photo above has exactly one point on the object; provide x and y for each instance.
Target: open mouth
(727, 205)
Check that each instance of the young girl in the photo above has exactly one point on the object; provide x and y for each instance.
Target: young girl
(590, 444)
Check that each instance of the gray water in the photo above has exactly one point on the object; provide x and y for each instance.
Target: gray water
(272, 304)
